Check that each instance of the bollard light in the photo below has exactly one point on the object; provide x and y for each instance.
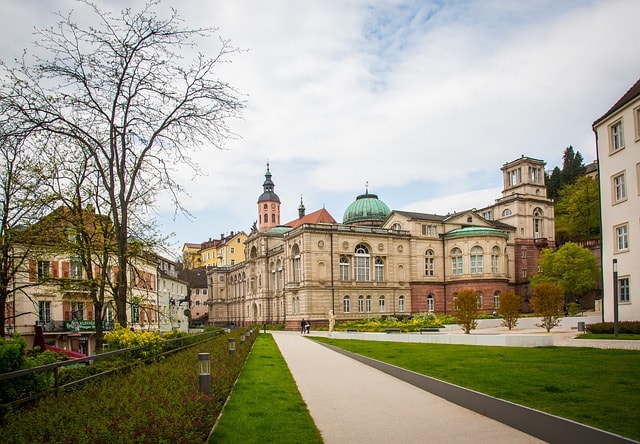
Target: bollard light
(241, 338)
(204, 364)
(232, 346)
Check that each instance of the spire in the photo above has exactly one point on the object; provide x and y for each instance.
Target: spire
(301, 209)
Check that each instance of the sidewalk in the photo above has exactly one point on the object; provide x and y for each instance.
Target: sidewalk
(351, 402)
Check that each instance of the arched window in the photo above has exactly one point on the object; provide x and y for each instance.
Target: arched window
(476, 259)
(344, 268)
(506, 212)
(381, 303)
(361, 263)
(368, 304)
(254, 252)
(396, 226)
(280, 271)
(429, 263)
(265, 206)
(347, 304)
(495, 255)
(360, 304)
(479, 293)
(274, 276)
(297, 264)
(496, 300)
(379, 269)
(537, 223)
(430, 303)
(273, 218)
(266, 218)
(401, 303)
(456, 261)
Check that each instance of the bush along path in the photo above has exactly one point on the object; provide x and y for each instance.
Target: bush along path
(157, 402)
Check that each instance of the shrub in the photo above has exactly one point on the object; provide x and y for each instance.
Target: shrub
(547, 302)
(573, 309)
(509, 309)
(624, 327)
(467, 305)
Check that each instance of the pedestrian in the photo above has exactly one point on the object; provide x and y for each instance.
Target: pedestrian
(308, 327)
(303, 326)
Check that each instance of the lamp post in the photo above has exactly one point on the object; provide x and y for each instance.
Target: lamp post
(232, 346)
(204, 364)
(615, 298)
(241, 339)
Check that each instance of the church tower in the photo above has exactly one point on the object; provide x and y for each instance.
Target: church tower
(268, 204)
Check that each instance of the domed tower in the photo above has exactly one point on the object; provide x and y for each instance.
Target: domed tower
(268, 204)
(367, 209)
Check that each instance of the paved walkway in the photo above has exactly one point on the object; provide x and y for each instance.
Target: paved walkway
(351, 402)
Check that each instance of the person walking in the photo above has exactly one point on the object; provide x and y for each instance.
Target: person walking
(307, 327)
(303, 326)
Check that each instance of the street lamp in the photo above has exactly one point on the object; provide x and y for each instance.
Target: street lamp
(241, 338)
(615, 298)
(232, 346)
(204, 364)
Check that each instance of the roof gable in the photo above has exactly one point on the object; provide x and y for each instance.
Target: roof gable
(317, 217)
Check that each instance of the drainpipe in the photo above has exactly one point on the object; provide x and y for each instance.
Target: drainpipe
(601, 234)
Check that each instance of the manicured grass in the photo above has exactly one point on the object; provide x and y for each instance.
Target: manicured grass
(598, 387)
(621, 336)
(265, 405)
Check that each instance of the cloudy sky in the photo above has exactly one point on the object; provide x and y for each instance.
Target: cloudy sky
(422, 100)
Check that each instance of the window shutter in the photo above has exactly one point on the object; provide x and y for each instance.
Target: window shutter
(66, 269)
(33, 273)
(66, 309)
(90, 308)
(54, 267)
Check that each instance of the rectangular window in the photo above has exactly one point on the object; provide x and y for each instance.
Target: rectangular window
(344, 270)
(379, 270)
(361, 268)
(77, 310)
(619, 188)
(297, 269)
(347, 304)
(534, 174)
(524, 274)
(623, 289)
(368, 304)
(494, 263)
(360, 305)
(429, 266)
(381, 300)
(617, 136)
(75, 269)
(622, 237)
(432, 230)
(44, 268)
(233, 250)
(636, 118)
(424, 230)
(401, 303)
(523, 254)
(456, 265)
(44, 312)
(476, 263)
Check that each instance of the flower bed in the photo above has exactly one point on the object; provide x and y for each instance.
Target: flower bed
(159, 402)
(413, 324)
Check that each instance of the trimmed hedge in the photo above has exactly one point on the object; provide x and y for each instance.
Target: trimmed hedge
(624, 327)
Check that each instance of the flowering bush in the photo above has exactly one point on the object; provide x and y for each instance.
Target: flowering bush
(414, 323)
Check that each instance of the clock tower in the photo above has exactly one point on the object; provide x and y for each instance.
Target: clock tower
(268, 205)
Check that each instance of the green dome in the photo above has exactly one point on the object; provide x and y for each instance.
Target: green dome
(475, 231)
(366, 210)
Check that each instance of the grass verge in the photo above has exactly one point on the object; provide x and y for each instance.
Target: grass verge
(265, 405)
(622, 336)
(598, 387)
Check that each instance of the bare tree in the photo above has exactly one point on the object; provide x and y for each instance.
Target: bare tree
(22, 202)
(121, 92)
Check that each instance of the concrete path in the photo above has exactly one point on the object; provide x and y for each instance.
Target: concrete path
(351, 402)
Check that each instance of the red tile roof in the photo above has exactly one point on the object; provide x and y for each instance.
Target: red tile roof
(317, 217)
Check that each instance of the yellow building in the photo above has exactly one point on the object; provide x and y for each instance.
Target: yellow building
(223, 252)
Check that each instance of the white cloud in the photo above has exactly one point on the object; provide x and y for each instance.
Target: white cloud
(421, 99)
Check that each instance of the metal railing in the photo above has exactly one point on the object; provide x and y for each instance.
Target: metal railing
(167, 346)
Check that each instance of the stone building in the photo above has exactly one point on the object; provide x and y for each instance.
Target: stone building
(379, 262)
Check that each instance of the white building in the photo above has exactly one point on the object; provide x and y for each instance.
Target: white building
(618, 152)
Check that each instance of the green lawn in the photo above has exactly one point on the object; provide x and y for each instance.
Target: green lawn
(598, 387)
(265, 405)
